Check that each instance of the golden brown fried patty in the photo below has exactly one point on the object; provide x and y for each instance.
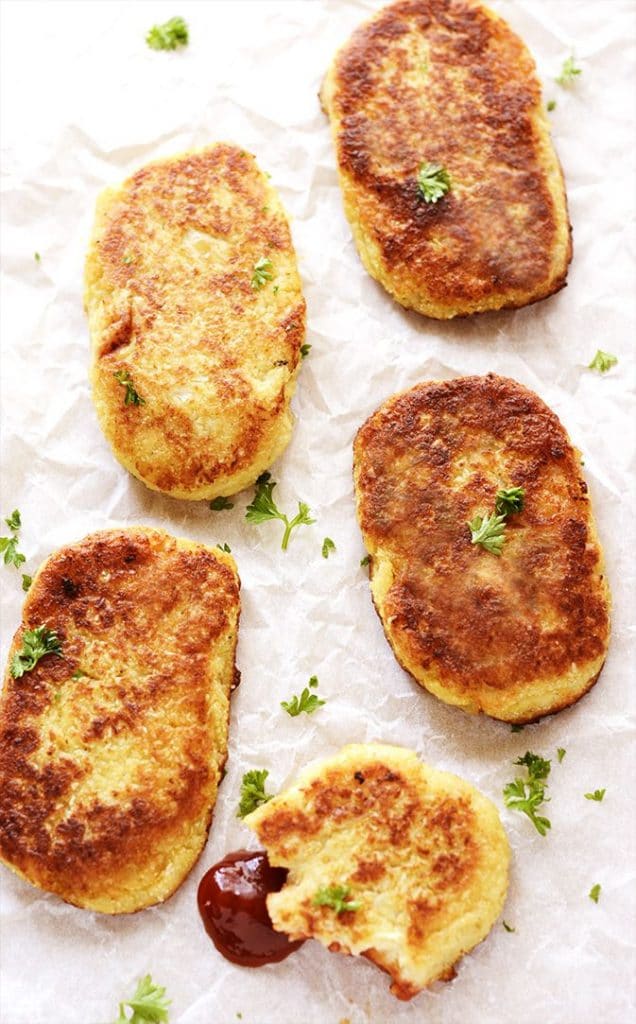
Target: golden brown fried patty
(517, 636)
(422, 852)
(447, 82)
(110, 756)
(176, 305)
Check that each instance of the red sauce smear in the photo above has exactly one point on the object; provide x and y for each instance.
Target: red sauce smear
(231, 900)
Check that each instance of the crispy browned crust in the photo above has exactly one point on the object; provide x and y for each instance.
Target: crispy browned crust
(108, 780)
(170, 303)
(422, 852)
(447, 81)
(517, 636)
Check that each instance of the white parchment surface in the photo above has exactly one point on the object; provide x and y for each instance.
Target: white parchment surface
(84, 103)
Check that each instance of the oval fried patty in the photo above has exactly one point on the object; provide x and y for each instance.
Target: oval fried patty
(446, 82)
(518, 635)
(420, 854)
(111, 754)
(195, 306)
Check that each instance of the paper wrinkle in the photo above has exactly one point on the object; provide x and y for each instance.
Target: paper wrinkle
(85, 103)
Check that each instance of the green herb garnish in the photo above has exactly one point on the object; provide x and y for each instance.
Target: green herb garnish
(488, 531)
(597, 795)
(307, 702)
(26, 581)
(551, 105)
(560, 753)
(263, 272)
(9, 545)
(527, 795)
(35, 644)
(14, 521)
(225, 547)
(132, 397)
(365, 561)
(595, 892)
(603, 361)
(336, 897)
(508, 927)
(327, 547)
(304, 351)
(169, 36)
(37, 257)
(220, 504)
(433, 182)
(149, 1004)
(253, 792)
(263, 508)
(509, 500)
(569, 72)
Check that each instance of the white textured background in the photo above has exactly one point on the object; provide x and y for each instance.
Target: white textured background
(84, 103)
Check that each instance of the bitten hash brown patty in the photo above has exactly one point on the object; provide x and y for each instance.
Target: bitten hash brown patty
(110, 755)
(518, 635)
(193, 296)
(421, 853)
(447, 82)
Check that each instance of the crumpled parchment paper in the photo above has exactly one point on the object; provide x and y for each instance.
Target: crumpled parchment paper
(84, 103)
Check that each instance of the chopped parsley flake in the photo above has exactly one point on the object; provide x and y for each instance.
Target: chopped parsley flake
(433, 182)
(336, 897)
(595, 892)
(253, 792)
(149, 1004)
(132, 396)
(327, 547)
(263, 272)
(603, 361)
(220, 504)
(169, 36)
(569, 72)
(307, 702)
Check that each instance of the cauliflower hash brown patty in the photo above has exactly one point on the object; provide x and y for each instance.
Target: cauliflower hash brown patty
(420, 853)
(111, 754)
(516, 636)
(446, 82)
(194, 301)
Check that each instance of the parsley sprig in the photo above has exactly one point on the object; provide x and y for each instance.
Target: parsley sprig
(35, 644)
(433, 182)
(569, 72)
(307, 702)
(509, 500)
(253, 791)
(336, 897)
(132, 396)
(489, 529)
(602, 361)
(169, 36)
(595, 892)
(263, 507)
(327, 547)
(527, 795)
(263, 272)
(149, 1004)
(9, 545)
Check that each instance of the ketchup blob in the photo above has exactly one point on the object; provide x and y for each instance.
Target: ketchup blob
(231, 900)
